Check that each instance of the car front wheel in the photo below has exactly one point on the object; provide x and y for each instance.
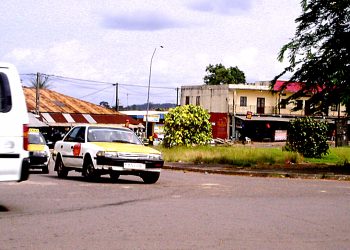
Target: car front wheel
(114, 176)
(89, 171)
(46, 169)
(150, 178)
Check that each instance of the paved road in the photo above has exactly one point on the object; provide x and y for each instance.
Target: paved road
(181, 211)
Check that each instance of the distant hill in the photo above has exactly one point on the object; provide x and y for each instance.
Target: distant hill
(152, 106)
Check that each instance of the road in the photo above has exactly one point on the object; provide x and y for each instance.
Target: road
(183, 210)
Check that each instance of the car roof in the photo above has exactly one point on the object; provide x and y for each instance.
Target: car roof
(104, 126)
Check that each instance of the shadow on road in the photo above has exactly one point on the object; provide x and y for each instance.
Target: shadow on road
(103, 180)
(3, 209)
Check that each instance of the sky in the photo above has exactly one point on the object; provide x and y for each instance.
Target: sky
(87, 46)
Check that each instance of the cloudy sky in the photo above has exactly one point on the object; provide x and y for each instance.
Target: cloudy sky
(108, 41)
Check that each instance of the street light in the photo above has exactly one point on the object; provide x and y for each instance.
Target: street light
(149, 86)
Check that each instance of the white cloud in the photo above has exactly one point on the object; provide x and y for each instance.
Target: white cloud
(68, 40)
(18, 54)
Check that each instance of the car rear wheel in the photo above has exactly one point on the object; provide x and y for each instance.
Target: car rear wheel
(150, 178)
(62, 172)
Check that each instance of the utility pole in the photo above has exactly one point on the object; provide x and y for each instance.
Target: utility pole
(177, 96)
(127, 101)
(116, 97)
(37, 94)
(149, 86)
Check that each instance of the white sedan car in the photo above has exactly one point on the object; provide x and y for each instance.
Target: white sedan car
(97, 150)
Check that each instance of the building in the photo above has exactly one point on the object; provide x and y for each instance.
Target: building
(155, 120)
(55, 113)
(250, 110)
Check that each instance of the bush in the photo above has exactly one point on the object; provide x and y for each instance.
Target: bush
(308, 137)
(187, 125)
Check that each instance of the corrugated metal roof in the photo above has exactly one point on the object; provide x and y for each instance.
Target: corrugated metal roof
(54, 102)
(57, 109)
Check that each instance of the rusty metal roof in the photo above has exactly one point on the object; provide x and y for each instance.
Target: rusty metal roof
(54, 102)
(57, 109)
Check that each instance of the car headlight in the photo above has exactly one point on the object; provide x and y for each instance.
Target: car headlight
(154, 156)
(40, 153)
(107, 154)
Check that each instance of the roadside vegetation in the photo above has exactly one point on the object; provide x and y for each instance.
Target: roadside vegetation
(250, 156)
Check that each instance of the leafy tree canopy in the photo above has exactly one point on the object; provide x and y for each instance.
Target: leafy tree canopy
(319, 54)
(40, 80)
(187, 125)
(308, 137)
(218, 74)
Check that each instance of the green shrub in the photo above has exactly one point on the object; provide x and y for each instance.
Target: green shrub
(187, 125)
(308, 137)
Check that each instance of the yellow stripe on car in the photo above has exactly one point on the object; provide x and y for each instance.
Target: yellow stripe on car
(125, 147)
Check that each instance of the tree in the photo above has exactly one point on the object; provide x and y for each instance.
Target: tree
(41, 81)
(187, 125)
(218, 75)
(319, 54)
(308, 137)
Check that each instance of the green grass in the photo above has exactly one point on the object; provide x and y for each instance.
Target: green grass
(249, 156)
(231, 155)
(337, 156)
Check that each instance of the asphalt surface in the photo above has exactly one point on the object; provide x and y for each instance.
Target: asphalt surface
(328, 172)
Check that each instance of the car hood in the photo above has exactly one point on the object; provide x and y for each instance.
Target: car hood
(126, 147)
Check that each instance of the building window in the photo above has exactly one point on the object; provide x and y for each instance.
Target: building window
(243, 101)
(283, 104)
(187, 101)
(198, 100)
(299, 104)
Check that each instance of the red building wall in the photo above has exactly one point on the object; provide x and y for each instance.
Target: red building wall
(219, 125)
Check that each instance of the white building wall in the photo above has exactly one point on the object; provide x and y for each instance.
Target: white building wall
(213, 98)
(226, 99)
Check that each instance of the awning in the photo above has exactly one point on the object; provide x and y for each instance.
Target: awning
(69, 120)
(264, 118)
(34, 122)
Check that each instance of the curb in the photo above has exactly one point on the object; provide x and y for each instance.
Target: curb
(225, 170)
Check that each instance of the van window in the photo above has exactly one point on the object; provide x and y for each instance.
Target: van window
(5, 94)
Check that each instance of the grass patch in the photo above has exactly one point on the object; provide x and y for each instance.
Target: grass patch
(231, 155)
(337, 156)
(239, 155)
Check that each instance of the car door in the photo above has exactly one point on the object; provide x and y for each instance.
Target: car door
(70, 147)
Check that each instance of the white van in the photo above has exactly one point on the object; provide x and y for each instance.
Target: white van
(14, 157)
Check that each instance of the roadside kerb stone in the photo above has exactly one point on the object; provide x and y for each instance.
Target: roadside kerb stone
(231, 170)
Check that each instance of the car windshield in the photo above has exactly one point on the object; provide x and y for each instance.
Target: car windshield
(98, 134)
(36, 138)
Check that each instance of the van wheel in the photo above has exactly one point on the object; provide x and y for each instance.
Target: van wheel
(150, 178)
(89, 171)
(62, 172)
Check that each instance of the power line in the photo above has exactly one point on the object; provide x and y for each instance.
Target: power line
(85, 82)
(112, 83)
(65, 78)
(93, 93)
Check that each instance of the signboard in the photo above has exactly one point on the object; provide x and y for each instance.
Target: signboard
(159, 128)
(249, 115)
(152, 118)
(280, 135)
